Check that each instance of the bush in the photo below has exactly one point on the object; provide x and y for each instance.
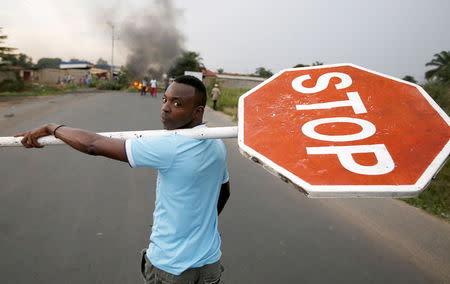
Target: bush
(436, 198)
(228, 100)
(12, 85)
(109, 85)
(440, 92)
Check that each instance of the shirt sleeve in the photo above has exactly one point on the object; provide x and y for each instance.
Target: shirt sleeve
(226, 176)
(155, 152)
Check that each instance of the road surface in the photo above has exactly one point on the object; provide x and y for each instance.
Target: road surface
(66, 217)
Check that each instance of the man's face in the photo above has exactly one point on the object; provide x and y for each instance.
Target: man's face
(180, 107)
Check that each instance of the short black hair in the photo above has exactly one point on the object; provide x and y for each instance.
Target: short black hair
(200, 89)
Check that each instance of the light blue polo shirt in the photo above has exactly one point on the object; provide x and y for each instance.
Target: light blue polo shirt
(190, 175)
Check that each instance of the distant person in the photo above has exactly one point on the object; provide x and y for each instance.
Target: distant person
(215, 93)
(144, 87)
(170, 81)
(191, 191)
(153, 87)
(88, 78)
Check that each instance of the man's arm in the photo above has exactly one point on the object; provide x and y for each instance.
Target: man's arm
(79, 139)
(223, 196)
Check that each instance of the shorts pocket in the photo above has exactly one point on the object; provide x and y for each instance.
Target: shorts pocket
(212, 273)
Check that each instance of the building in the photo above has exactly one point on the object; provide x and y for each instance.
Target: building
(230, 80)
(16, 72)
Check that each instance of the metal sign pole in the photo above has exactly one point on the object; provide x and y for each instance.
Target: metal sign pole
(197, 133)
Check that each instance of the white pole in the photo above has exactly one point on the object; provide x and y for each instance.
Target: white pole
(197, 133)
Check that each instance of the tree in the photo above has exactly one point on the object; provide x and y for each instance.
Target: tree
(48, 62)
(316, 63)
(102, 61)
(188, 61)
(410, 78)
(301, 65)
(20, 59)
(263, 72)
(442, 70)
(220, 70)
(4, 50)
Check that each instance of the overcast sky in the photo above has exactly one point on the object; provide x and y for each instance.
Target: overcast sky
(396, 37)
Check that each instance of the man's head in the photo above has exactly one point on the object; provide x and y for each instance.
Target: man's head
(183, 103)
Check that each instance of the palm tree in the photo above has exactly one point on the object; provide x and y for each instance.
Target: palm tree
(442, 64)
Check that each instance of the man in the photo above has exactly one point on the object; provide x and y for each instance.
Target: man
(192, 185)
(144, 87)
(215, 93)
(153, 87)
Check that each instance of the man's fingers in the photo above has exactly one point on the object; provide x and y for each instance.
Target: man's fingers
(24, 142)
(36, 143)
(29, 141)
(20, 134)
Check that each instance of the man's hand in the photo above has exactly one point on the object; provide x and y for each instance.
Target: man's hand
(30, 137)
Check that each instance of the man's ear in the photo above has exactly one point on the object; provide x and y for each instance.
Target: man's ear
(198, 112)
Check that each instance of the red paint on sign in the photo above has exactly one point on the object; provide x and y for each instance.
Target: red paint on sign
(412, 131)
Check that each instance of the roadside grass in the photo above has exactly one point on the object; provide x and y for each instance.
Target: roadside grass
(435, 199)
(34, 90)
(228, 101)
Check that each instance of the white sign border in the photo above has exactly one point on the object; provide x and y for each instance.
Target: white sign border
(336, 191)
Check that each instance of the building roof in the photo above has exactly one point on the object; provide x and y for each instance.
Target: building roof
(76, 65)
(208, 72)
(103, 66)
(240, 77)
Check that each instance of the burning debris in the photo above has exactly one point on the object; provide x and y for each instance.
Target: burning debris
(138, 86)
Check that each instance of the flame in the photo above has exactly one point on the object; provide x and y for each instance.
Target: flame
(138, 86)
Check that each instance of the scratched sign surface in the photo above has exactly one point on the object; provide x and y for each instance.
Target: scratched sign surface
(344, 131)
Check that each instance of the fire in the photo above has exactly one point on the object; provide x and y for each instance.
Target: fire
(138, 86)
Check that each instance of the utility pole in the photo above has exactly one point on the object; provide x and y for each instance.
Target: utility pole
(112, 49)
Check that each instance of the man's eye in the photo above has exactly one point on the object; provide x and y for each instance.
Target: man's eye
(164, 100)
(177, 104)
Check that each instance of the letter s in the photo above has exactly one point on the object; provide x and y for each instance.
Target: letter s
(322, 82)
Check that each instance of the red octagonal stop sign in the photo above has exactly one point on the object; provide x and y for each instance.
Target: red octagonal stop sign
(343, 130)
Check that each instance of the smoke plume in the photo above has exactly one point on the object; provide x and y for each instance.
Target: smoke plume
(152, 39)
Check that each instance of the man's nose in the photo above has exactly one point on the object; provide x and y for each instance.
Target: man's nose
(165, 107)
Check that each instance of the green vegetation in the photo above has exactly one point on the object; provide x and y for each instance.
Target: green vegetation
(15, 88)
(441, 64)
(48, 63)
(440, 92)
(228, 101)
(188, 61)
(410, 78)
(4, 50)
(263, 72)
(315, 63)
(436, 198)
(12, 85)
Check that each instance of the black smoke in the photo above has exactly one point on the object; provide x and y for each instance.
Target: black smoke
(151, 37)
